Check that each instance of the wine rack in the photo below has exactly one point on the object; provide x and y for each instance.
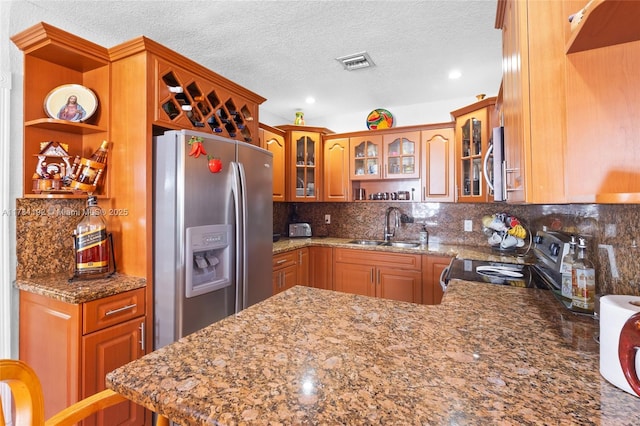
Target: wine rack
(187, 102)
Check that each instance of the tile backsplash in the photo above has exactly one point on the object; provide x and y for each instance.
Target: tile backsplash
(605, 225)
(45, 244)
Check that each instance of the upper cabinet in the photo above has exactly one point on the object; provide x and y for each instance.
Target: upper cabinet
(602, 23)
(401, 155)
(335, 179)
(438, 171)
(534, 108)
(603, 102)
(473, 134)
(54, 59)
(272, 140)
(185, 95)
(304, 153)
(366, 157)
(189, 101)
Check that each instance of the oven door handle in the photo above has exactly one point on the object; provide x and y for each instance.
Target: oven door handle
(443, 274)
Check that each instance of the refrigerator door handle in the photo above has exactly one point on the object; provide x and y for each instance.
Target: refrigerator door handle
(240, 202)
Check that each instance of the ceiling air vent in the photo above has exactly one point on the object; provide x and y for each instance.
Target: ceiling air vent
(356, 61)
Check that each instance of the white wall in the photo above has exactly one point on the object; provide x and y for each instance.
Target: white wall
(404, 115)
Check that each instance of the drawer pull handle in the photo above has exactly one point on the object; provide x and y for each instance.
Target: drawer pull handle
(281, 261)
(124, 308)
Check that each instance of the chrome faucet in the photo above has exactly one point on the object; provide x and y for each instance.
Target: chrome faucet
(387, 233)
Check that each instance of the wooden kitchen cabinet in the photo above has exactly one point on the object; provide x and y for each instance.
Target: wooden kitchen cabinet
(438, 168)
(272, 139)
(285, 271)
(472, 135)
(304, 266)
(401, 155)
(189, 99)
(432, 269)
(365, 156)
(84, 342)
(53, 58)
(304, 153)
(603, 94)
(335, 179)
(321, 267)
(534, 106)
(386, 275)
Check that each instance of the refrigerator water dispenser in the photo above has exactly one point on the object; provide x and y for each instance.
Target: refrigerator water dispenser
(208, 251)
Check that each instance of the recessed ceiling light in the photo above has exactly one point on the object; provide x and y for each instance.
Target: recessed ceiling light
(310, 100)
(454, 74)
(356, 61)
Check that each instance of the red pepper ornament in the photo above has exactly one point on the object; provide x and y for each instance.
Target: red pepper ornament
(215, 165)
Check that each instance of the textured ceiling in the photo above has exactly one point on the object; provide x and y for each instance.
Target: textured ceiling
(286, 50)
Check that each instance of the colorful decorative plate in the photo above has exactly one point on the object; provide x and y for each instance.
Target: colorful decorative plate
(379, 119)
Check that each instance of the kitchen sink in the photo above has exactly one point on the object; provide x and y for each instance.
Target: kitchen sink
(367, 242)
(401, 244)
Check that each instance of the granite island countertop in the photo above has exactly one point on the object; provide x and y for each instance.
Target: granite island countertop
(487, 355)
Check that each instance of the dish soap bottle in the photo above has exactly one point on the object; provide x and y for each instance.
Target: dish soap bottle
(424, 236)
(92, 249)
(567, 267)
(583, 280)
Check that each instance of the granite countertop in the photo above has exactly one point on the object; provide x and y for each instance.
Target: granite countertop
(487, 355)
(433, 248)
(58, 286)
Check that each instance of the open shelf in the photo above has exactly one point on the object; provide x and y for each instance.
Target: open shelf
(64, 126)
(606, 23)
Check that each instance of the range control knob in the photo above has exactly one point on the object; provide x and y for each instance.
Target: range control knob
(537, 239)
(554, 249)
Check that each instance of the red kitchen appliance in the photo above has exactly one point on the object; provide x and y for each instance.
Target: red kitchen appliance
(619, 340)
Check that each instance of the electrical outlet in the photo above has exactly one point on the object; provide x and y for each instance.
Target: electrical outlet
(468, 225)
(610, 230)
(327, 219)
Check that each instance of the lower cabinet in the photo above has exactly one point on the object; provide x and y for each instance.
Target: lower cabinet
(321, 267)
(72, 347)
(432, 268)
(285, 271)
(304, 267)
(398, 276)
(394, 276)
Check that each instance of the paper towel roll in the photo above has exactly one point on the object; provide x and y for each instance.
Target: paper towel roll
(615, 310)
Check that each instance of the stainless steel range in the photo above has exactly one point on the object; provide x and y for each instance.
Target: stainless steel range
(511, 274)
(549, 249)
(544, 272)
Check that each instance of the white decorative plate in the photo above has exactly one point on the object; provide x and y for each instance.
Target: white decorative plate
(59, 103)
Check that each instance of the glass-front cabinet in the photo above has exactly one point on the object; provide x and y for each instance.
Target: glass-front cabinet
(305, 151)
(401, 155)
(473, 128)
(366, 157)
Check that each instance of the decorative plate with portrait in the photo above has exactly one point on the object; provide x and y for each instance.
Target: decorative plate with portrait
(71, 102)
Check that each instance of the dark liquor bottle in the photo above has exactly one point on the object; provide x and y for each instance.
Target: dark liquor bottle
(91, 244)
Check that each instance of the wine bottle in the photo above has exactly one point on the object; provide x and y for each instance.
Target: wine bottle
(90, 172)
(92, 249)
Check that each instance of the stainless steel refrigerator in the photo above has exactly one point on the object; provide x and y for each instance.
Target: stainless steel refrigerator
(213, 231)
